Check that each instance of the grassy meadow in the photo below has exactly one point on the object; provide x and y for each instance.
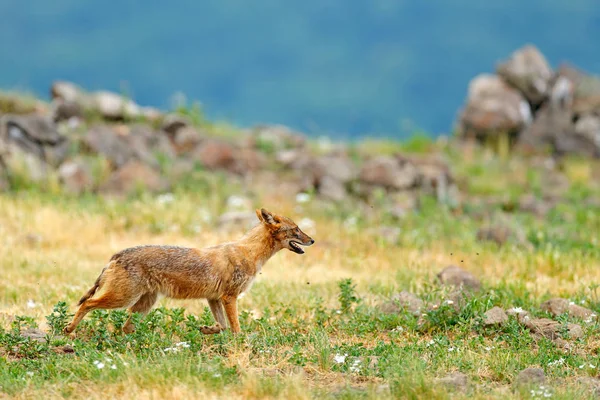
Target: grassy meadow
(312, 325)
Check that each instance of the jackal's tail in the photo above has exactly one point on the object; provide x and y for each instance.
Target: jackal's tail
(94, 288)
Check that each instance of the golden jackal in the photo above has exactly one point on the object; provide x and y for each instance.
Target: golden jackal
(135, 277)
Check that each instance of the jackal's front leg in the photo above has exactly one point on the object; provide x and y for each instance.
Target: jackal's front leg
(230, 305)
(216, 307)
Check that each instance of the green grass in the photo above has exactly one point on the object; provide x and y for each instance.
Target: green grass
(312, 326)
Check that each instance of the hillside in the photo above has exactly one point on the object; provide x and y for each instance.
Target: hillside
(337, 67)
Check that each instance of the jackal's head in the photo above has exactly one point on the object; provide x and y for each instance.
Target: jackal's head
(284, 231)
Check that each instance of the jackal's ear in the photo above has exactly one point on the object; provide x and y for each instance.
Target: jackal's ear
(266, 217)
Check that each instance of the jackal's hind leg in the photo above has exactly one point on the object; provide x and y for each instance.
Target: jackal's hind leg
(142, 306)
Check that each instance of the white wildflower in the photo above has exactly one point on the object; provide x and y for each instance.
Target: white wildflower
(338, 311)
(113, 366)
(430, 343)
(31, 304)
(99, 364)
(173, 349)
(560, 361)
(517, 310)
(340, 358)
(185, 345)
(302, 198)
(355, 367)
(165, 198)
(29, 373)
(398, 329)
(449, 302)
(217, 375)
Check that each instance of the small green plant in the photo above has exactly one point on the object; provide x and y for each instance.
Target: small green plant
(347, 296)
(58, 320)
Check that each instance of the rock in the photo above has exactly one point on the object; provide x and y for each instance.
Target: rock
(75, 177)
(121, 144)
(34, 334)
(588, 127)
(67, 91)
(552, 329)
(296, 159)
(146, 143)
(388, 172)
(336, 167)
(528, 71)
(67, 348)
(495, 317)
(456, 381)
(530, 377)
(36, 135)
(331, 189)
(172, 123)
(65, 110)
(586, 90)
(403, 301)
(103, 140)
(186, 139)
(493, 107)
(558, 306)
(114, 106)
(133, 176)
(248, 160)
(277, 137)
(458, 277)
(214, 154)
(499, 234)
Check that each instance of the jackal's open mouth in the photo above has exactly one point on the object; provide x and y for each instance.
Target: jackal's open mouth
(295, 247)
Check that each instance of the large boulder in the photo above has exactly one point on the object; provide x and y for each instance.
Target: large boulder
(528, 71)
(132, 176)
(29, 144)
(389, 172)
(586, 90)
(121, 144)
(493, 107)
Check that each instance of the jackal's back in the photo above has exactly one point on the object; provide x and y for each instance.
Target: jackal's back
(179, 272)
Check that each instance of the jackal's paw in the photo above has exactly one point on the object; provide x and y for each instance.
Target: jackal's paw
(212, 330)
(67, 330)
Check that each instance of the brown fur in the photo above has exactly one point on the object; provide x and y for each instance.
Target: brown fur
(135, 277)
